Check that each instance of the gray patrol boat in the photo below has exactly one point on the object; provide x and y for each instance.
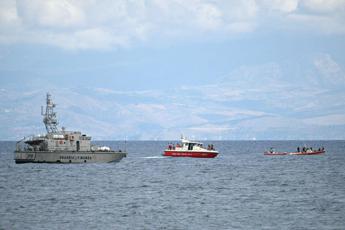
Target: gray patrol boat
(61, 146)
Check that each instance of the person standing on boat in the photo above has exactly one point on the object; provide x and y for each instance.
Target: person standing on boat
(298, 149)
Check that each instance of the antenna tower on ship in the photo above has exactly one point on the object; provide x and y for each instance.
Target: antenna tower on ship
(49, 117)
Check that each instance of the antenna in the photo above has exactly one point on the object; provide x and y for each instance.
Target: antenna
(125, 144)
(49, 117)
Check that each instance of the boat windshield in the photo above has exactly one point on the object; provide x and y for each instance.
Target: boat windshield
(190, 146)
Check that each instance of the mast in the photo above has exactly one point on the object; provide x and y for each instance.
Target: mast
(49, 117)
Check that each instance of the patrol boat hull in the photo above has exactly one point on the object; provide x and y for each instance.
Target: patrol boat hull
(68, 157)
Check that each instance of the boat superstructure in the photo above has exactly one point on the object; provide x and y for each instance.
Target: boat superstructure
(189, 148)
(61, 146)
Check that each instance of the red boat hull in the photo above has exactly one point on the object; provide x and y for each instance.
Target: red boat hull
(172, 153)
(308, 153)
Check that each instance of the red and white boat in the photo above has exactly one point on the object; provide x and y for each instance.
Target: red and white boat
(189, 148)
(309, 152)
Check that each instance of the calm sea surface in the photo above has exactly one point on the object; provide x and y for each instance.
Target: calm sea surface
(240, 189)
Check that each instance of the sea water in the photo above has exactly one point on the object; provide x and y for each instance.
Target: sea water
(240, 189)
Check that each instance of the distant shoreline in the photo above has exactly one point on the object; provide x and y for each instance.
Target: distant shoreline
(198, 140)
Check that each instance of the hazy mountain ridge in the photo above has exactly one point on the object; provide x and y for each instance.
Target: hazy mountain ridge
(251, 102)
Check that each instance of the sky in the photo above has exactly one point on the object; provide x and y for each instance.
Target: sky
(153, 70)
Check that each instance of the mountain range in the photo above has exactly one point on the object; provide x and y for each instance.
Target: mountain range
(265, 101)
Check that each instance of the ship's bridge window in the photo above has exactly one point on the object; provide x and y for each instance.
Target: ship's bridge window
(190, 146)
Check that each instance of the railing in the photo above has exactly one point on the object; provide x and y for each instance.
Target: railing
(20, 143)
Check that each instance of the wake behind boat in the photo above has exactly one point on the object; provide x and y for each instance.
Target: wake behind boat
(189, 148)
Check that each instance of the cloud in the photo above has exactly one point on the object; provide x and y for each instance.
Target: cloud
(329, 70)
(109, 24)
(285, 6)
(324, 5)
(332, 119)
(311, 6)
(92, 38)
(327, 24)
(50, 13)
(8, 13)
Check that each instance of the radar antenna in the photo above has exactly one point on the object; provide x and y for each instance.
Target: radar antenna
(49, 117)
